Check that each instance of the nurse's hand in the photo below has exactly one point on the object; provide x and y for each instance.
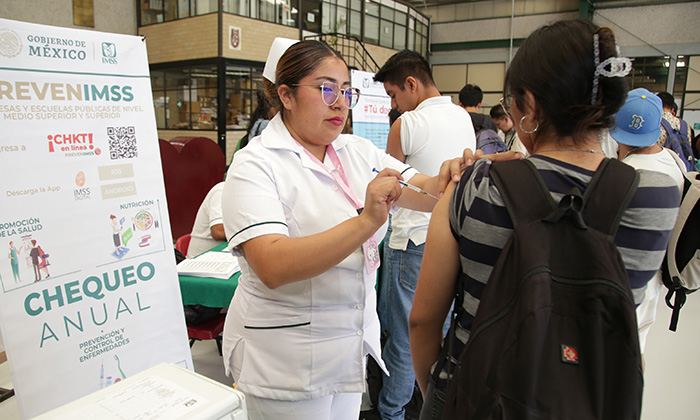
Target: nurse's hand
(381, 193)
(451, 170)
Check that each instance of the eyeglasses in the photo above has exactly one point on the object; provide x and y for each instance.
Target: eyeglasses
(331, 91)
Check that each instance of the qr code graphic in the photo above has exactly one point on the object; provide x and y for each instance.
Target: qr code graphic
(122, 142)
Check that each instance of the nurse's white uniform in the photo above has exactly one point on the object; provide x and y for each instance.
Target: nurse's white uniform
(307, 339)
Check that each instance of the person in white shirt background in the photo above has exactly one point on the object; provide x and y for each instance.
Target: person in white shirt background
(208, 230)
(637, 129)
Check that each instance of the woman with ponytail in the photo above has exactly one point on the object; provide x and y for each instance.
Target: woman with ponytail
(563, 88)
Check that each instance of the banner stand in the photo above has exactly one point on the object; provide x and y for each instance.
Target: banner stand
(89, 291)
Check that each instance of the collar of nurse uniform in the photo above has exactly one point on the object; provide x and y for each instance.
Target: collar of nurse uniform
(276, 136)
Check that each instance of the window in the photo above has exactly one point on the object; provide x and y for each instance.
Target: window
(157, 11)
(387, 13)
(691, 99)
(202, 7)
(371, 30)
(422, 38)
(386, 23)
(267, 10)
(355, 24)
(411, 34)
(386, 34)
(399, 37)
(371, 8)
(335, 17)
(151, 11)
(183, 9)
(311, 19)
(238, 7)
(650, 73)
(241, 100)
(185, 97)
(284, 12)
(170, 9)
(84, 13)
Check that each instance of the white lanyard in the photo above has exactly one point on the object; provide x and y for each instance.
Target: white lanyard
(370, 248)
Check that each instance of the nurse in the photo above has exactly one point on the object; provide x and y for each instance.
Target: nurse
(304, 212)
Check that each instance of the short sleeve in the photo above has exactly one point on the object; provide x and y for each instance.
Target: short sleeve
(407, 171)
(250, 202)
(215, 211)
(465, 192)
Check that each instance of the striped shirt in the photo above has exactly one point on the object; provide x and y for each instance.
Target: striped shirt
(481, 225)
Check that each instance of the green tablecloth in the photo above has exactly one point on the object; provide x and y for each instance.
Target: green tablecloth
(208, 291)
(217, 293)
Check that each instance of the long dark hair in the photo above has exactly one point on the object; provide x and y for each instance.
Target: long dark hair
(556, 63)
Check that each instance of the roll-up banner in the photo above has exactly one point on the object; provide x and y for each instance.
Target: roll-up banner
(370, 117)
(89, 290)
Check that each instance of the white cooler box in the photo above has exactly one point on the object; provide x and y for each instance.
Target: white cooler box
(163, 392)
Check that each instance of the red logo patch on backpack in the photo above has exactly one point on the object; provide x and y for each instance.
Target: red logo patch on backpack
(569, 354)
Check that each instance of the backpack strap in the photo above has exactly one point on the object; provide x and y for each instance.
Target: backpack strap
(686, 141)
(518, 181)
(523, 190)
(671, 133)
(604, 203)
(683, 131)
(608, 194)
(679, 161)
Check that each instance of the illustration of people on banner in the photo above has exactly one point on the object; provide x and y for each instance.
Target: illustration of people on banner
(36, 259)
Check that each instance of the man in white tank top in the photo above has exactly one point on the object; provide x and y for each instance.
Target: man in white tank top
(430, 130)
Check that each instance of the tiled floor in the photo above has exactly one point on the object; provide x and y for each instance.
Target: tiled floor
(672, 378)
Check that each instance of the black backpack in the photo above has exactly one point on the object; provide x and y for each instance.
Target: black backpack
(555, 335)
(490, 142)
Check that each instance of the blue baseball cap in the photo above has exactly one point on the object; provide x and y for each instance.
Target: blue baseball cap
(638, 123)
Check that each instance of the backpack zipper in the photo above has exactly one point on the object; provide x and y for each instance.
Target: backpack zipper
(602, 282)
(535, 271)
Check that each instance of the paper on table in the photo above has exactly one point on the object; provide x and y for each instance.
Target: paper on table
(149, 398)
(220, 265)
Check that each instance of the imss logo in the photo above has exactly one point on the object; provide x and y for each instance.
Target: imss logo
(109, 53)
(81, 192)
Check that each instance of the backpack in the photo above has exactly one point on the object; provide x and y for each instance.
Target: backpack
(555, 335)
(678, 141)
(490, 142)
(681, 273)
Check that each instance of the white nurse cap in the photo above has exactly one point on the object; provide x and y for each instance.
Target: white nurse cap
(279, 46)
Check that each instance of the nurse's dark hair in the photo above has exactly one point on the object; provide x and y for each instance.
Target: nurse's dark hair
(300, 60)
(557, 64)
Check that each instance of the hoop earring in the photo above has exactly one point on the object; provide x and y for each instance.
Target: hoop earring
(524, 130)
